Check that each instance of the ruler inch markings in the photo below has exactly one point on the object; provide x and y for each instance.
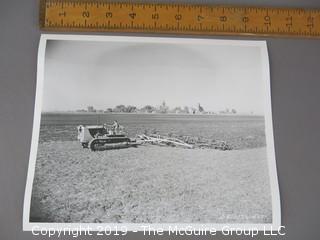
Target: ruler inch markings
(102, 16)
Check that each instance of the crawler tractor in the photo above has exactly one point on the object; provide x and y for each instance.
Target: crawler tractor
(100, 137)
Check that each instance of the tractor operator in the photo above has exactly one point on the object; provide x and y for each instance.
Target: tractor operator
(115, 127)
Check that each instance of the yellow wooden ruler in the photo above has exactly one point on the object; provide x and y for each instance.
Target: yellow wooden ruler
(104, 16)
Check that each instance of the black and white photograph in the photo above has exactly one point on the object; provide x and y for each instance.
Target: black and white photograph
(160, 131)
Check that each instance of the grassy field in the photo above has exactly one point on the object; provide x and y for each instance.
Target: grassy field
(150, 184)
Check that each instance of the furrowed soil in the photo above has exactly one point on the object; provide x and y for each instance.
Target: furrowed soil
(150, 184)
(239, 132)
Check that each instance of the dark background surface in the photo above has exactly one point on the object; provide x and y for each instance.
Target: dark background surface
(295, 79)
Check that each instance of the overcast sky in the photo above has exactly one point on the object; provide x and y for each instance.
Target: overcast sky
(106, 74)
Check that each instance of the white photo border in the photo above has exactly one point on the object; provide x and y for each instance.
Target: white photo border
(276, 210)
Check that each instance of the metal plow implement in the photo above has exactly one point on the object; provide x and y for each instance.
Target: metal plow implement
(164, 141)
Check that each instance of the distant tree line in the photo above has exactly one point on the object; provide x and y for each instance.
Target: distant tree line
(163, 108)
